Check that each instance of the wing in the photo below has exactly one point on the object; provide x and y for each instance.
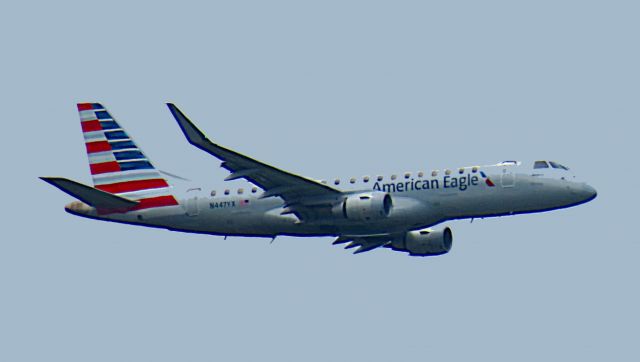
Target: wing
(364, 243)
(299, 193)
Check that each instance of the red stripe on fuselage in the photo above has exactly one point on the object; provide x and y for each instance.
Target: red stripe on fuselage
(91, 126)
(129, 186)
(100, 146)
(104, 167)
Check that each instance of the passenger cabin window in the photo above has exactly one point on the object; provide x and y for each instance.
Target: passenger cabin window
(447, 172)
(240, 191)
(474, 169)
(380, 178)
(393, 177)
(434, 173)
(420, 174)
(461, 170)
(336, 182)
(353, 180)
(540, 164)
(254, 190)
(226, 192)
(213, 193)
(365, 179)
(407, 175)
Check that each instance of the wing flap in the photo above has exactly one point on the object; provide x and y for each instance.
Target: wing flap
(363, 243)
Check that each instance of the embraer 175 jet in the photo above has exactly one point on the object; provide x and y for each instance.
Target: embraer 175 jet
(395, 211)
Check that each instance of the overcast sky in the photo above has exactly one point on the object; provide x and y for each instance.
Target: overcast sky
(323, 89)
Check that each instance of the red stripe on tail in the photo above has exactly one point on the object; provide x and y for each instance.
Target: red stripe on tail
(104, 167)
(100, 146)
(84, 106)
(91, 126)
(149, 203)
(155, 202)
(129, 186)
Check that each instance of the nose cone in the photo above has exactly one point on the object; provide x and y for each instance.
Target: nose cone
(587, 193)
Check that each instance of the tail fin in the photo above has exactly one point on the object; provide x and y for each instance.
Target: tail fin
(117, 165)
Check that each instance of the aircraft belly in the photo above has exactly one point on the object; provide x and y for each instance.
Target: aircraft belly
(231, 217)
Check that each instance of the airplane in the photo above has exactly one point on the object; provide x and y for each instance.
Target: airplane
(397, 211)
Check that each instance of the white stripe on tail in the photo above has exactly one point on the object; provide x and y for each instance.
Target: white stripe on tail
(117, 165)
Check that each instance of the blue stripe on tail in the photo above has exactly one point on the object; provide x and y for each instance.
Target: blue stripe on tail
(128, 155)
(135, 165)
(122, 145)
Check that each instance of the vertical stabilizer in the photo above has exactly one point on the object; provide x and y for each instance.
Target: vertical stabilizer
(116, 163)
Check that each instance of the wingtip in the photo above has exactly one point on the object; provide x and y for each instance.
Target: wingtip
(193, 134)
(173, 109)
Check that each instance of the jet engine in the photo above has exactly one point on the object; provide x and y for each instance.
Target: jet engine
(365, 206)
(425, 242)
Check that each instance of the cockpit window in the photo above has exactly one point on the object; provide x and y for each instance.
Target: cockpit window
(540, 164)
(557, 165)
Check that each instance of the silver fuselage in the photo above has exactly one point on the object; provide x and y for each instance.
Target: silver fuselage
(418, 202)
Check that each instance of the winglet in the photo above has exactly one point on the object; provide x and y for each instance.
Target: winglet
(193, 134)
(89, 195)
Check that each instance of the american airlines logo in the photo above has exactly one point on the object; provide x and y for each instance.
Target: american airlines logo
(461, 183)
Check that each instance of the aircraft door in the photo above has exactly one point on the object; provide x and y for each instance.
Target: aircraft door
(508, 178)
(192, 202)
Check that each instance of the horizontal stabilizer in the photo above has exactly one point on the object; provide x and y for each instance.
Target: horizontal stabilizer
(89, 195)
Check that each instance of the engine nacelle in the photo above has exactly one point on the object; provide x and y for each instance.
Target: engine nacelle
(365, 206)
(425, 242)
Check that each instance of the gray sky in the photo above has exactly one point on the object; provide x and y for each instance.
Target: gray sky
(335, 88)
